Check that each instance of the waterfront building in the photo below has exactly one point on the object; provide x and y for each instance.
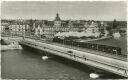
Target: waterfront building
(38, 25)
(18, 28)
(5, 28)
(45, 28)
(50, 28)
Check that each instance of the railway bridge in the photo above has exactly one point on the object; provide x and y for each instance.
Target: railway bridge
(113, 64)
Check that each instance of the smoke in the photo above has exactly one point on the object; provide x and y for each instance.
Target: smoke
(78, 34)
(106, 33)
(91, 31)
(116, 35)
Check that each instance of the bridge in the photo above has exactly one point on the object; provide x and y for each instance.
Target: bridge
(113, 64)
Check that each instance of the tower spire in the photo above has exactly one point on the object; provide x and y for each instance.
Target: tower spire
(57, 14)
(57, 17)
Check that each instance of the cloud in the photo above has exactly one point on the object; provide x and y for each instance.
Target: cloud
(69, 10)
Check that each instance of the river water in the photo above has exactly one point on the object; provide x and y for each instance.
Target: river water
(24, 64)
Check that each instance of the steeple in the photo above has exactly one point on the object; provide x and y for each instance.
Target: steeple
(57, 17)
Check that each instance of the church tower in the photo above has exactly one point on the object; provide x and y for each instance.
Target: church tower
(57, 21)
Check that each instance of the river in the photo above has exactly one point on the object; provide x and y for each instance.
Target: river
(24, 64)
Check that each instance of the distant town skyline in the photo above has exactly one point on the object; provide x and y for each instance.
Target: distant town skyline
(77, 10)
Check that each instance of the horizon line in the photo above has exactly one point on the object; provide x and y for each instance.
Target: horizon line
(53, 19)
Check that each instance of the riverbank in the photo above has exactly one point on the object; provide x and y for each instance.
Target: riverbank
(11, 46)
(11, 43)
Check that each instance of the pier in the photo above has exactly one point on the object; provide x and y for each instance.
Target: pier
(113, 64)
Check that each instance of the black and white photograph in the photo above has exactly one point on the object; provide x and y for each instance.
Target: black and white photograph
(64, 40)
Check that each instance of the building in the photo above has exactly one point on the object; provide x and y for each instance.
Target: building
(57, 21)
(50, 28)
(92, 28)
(5, 27)
(45, 28)
(18, 28)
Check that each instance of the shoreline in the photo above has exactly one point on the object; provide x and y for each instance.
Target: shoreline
(13, 44)
(10, 47)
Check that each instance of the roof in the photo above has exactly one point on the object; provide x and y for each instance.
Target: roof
(78, 24)
(5, 24)
(49, 23)
(64, 23)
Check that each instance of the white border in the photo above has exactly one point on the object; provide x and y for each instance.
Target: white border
(63, 0)
(59, 0)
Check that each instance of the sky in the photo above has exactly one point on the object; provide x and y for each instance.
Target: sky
(96, 10)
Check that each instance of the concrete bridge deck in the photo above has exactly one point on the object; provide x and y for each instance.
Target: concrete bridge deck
(117, 64)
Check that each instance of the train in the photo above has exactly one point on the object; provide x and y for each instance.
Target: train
(93, 46)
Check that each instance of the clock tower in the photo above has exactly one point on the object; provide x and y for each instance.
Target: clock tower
(57, 21)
